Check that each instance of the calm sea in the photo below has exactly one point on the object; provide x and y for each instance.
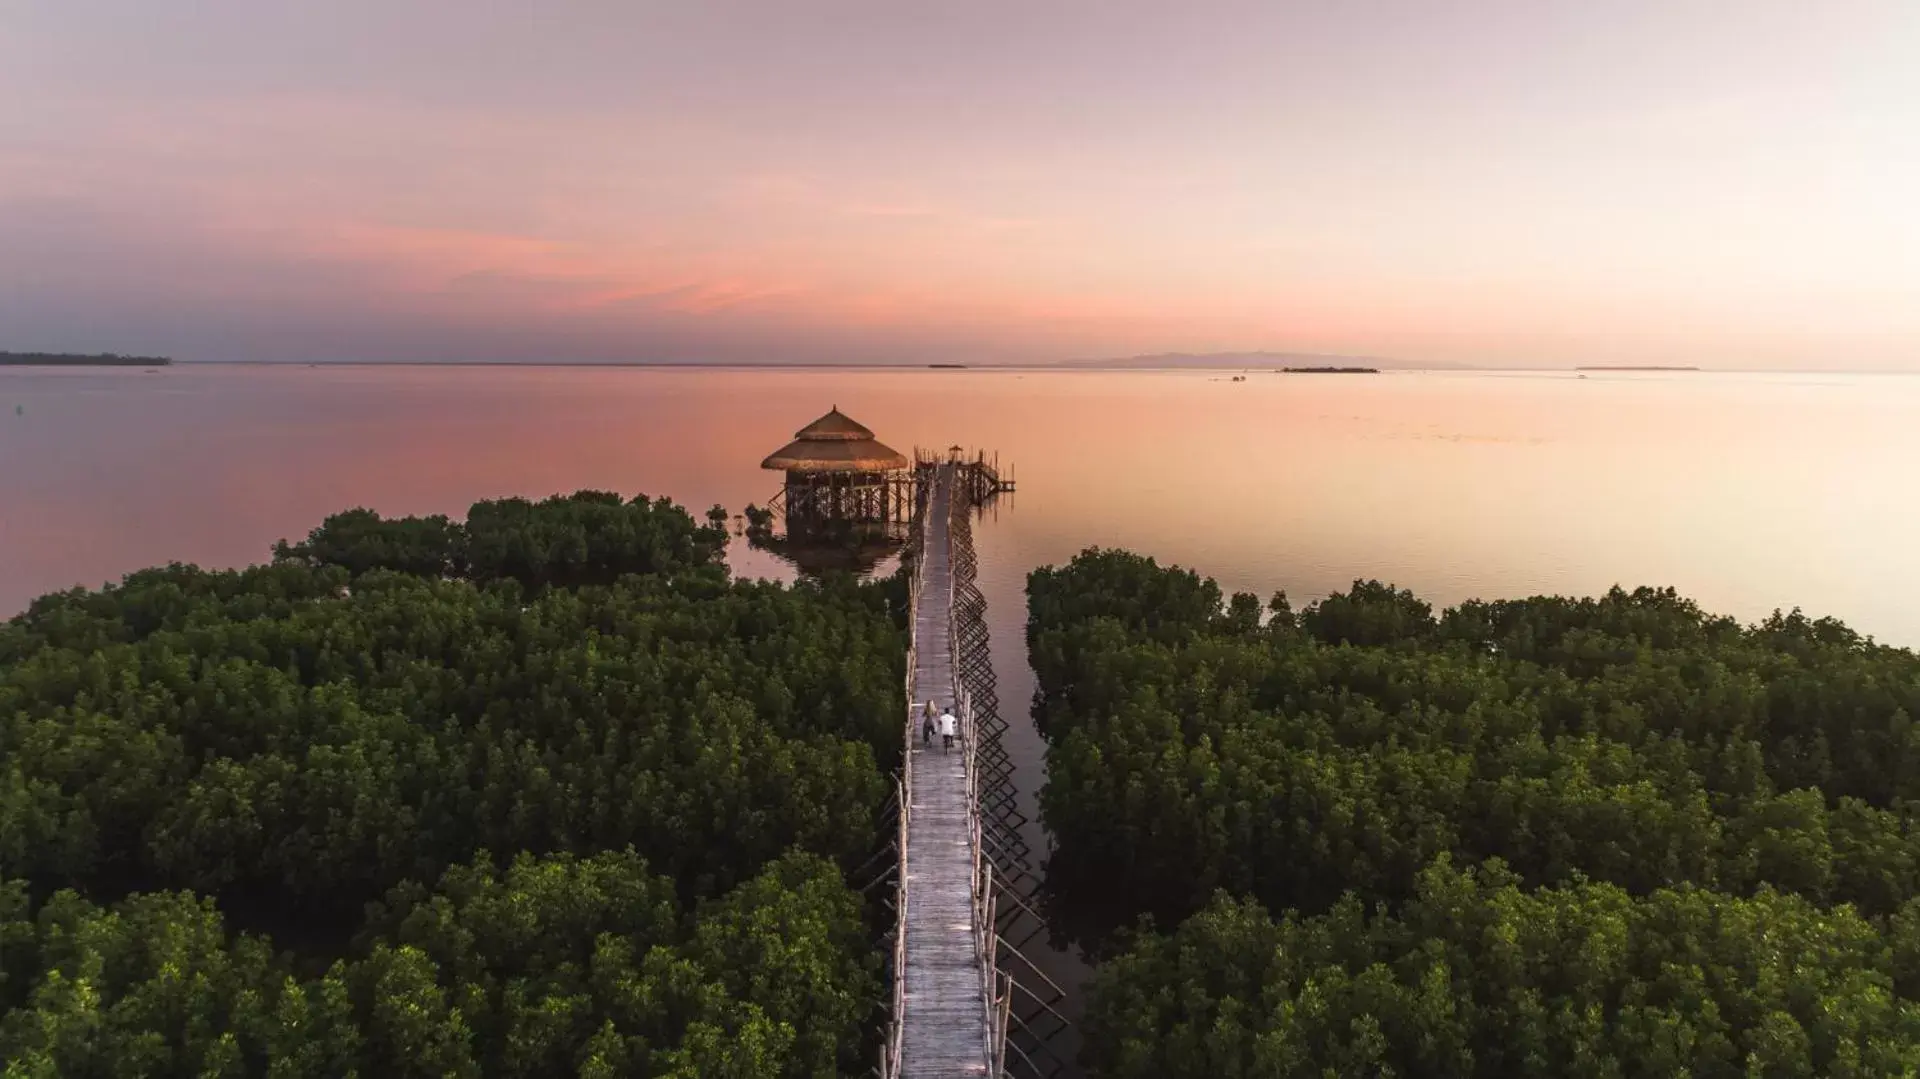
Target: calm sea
(1747, 492)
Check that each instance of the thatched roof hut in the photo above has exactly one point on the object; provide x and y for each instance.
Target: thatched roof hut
(835, 443)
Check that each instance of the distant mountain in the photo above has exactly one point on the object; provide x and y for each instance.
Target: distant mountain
(1235, 361)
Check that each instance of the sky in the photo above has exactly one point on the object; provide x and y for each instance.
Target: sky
(1515, 183)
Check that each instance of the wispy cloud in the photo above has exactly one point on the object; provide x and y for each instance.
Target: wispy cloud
(1647, 178)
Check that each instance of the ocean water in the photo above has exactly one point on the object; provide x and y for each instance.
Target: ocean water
(1747, 492)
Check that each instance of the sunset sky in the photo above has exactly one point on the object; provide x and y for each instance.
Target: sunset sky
(1510, 183)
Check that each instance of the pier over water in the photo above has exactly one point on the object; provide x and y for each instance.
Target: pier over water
(948, 999)
(962, 875)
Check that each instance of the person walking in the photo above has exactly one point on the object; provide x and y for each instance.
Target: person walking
(927, 724)
(949, 726)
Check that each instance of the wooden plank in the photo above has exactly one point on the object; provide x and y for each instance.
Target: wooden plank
(944, 1012)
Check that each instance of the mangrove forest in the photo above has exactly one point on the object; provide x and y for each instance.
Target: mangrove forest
(1616, 836)
(540, 792)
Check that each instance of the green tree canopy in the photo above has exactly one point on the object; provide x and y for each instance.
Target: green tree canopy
(1689, 845)
(1631, 738)
(558, 966)
(541, 792)
(591, 537)
(1478, 976)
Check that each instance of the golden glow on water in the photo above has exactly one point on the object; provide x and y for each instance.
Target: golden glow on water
(1745, 491)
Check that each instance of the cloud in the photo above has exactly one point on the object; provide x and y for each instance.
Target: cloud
(247, 180)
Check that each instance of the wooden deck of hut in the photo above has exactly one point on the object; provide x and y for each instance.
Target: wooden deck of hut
(944, 1016)
(836, 471)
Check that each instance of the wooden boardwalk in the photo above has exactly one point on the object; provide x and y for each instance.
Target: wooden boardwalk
(944, 1019)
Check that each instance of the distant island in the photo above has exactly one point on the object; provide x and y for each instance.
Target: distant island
(948, 366)
(1628, 368)
(1329, 370)
(74, 359)
(1235, 361)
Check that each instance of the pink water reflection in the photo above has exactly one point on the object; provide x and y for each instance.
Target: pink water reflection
(1745, 491)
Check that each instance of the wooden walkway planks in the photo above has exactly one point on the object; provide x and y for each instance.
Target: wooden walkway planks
(944, 1025)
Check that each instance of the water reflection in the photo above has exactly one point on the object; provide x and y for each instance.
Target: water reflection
(1746, 492)
(842, 547)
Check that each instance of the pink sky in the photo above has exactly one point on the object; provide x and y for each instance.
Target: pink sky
(1512, 183)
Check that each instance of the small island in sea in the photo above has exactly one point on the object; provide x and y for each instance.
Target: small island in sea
(74, 359)
(1329, 370)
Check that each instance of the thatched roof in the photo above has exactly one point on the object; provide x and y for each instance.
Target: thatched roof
(835, 443)
(835, 426)
(864, 456)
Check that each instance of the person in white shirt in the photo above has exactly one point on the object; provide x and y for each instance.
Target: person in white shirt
(949, 727)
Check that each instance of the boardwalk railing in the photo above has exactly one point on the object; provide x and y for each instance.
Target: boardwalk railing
(995, 988)
(903, 790)
(985, 941)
